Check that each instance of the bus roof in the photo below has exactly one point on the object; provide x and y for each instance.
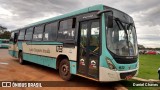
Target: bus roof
(85, 10)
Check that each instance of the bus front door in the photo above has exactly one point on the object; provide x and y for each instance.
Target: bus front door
(88, 62)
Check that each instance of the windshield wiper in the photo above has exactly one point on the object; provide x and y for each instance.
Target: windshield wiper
(130, 24)
(117, 20)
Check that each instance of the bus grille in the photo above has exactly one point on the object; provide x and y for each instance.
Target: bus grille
(124, 75)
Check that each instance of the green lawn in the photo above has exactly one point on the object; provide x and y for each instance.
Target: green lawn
(148, 66)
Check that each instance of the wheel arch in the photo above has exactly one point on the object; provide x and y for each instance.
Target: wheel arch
(59, 59)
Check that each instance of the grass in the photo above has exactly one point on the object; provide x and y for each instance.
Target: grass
(148, 66)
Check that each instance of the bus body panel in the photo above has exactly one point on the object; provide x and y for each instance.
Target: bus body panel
(73, 67)
(44, 53)
(50, 50)
(107, 74)
(13, 49)
(42, 60)
(20, 45)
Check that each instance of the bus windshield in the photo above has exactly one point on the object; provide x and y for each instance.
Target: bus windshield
(121, 39)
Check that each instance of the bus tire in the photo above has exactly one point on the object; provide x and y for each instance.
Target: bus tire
(64, 70)
(20, 58)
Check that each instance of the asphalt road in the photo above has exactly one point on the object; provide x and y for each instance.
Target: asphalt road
(11, 70)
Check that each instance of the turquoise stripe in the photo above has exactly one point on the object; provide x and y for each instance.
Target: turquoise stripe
(48, 61)
(73, 67)
(42, 60)
(44, 43)
(105, 52)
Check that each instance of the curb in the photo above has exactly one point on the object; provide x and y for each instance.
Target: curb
(146, 80)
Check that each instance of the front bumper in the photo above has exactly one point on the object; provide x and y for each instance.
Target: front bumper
(108, 75)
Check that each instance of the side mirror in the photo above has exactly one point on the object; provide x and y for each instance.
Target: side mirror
(110, 22)
(110, 17)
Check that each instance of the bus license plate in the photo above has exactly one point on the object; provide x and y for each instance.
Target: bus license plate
(128, 77)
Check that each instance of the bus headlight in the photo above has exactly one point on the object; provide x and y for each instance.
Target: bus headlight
(110, 64)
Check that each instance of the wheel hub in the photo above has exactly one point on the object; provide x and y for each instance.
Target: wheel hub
(65, 69)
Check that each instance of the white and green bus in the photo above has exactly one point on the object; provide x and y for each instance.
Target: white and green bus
(4, 43)
(98, 42)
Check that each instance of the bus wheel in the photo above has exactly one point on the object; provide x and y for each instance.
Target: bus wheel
(20, 58)
(64, 70)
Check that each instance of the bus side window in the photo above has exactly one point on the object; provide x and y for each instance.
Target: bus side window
(29, 33)
(50, 32)
(67, 29)
(38, 33)
(21, 34)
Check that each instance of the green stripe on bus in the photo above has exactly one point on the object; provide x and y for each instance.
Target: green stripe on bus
(42, 60)
(44, 43)
(48, 61)
(73, 67)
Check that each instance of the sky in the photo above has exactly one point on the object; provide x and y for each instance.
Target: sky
(146, 14)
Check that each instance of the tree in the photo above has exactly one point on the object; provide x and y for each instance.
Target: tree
(5, 35)
(141, 46)
(2, 29)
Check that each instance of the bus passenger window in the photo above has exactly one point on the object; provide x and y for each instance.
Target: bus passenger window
(29, 33)
(38, 33)
(67, 29)
(21, 35)
(50, 33)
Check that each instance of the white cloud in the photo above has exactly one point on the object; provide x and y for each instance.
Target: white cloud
(4, 13)
(146, 14)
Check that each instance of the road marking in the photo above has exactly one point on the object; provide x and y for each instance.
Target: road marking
(4, 63)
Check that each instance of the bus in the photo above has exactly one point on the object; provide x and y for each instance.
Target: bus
(4, 43)
(98, 43)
